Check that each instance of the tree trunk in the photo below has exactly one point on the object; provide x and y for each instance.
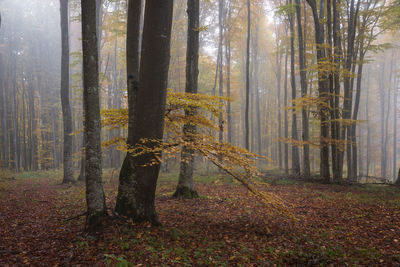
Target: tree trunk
(322, 88)
(125, 193)
(285, 102)
(228, 73)
(186, 188)
(138, 178)
(295, 149)
(395, 128)
(95, 198)
(68, 166)
(246, 116)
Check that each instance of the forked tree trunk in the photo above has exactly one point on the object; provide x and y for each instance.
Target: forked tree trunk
(95, 198)
(138, 178)
(68, 166)
(186, 188)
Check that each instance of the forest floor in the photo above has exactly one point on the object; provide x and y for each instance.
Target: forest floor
(338, 225)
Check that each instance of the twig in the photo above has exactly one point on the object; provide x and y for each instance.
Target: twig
(75, 217)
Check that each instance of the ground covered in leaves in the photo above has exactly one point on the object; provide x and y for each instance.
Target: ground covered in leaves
(226, 226)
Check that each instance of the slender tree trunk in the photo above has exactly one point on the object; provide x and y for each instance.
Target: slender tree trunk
(395, 128)
(228, 73)
(68, 166)
(279, 87)
(95, 198)
(368, 130)
(186, 188)
(285, 102)
(295, 149)
(246, 116)
(149, 114)
(125, 189)
(322, 87)
(303, 84)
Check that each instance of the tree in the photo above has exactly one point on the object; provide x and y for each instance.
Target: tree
(125, 193)
(95, 198)
(303, 85)
(185, 186)
(322, 86)
(247, 145)
(66, 108)
(295, 149)
(141, 175)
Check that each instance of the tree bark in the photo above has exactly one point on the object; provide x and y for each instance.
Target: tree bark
(246, 116)
(295, 149)
(95, 198)
(125, 189)
(185, 187)
(303, 84)
(68, 166)
(138, 181)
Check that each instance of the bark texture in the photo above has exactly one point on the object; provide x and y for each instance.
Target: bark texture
(186, 188)
(95, 199)
(68, 166)
(138, 179)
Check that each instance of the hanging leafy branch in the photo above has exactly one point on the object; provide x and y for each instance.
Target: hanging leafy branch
(235, 161)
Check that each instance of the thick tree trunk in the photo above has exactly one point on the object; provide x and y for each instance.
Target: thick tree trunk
(68, 165)
(186, 188)
(138, 180)
(95, 198)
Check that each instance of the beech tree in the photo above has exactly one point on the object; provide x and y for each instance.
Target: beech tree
(125, 197)
(148, 119)
(185, 186)
(95, 198)
(66, 107)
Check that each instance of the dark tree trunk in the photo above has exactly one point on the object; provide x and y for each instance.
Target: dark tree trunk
(278, 60)
(186, 188)
(295, 149)
(322, 88)
(285, 102)
(303, 84)
(395, 128)
(125, 188)
(139, 177)
(68, 166)
(337, 155)
(95, 198)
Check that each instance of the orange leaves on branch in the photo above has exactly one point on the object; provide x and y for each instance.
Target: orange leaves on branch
(195, 109)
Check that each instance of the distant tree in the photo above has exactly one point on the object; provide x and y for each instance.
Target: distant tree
(186, 188)
(95, 198)
(66, 107)
(246, 115)
(148, 120)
